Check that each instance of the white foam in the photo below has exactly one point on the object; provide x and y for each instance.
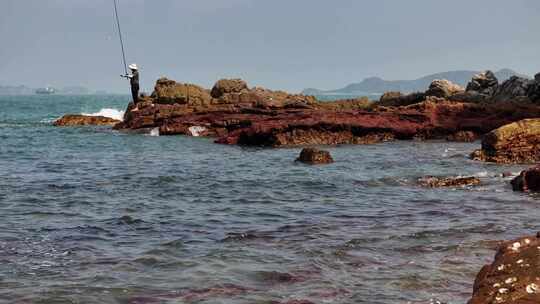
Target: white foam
(196, 130)
(106, 112)
(154, 132)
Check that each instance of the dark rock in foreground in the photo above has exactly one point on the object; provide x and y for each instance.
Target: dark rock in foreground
(518, 142)
(315, 157)
(440, 182)
(528, 180)
(83, 120)
(514, 276)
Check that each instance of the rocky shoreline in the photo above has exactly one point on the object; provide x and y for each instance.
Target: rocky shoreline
(505, 116)
(235, 114)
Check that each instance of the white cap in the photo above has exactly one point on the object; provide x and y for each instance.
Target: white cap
(133, 66)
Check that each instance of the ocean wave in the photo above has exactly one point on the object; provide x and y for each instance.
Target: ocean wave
(107, 112)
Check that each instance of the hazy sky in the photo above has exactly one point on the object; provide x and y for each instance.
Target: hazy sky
(280, 44)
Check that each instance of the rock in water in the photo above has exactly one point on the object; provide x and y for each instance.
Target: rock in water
(514, 276)
(314, 156)
(483, 83)
(439, 182)
(518, 142)
(528, 180)
(83, 120)
(443, 88)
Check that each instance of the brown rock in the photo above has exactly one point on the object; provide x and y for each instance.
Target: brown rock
(314, 156)
(518, 142)
(396, 99)
(440, 182)
(463, 136)
(528, 180)
(227, 86)
(83, 120)
(443, 88)
(513, 277)
(171, 92)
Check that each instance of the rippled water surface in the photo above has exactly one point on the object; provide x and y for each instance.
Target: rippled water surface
(90, 215)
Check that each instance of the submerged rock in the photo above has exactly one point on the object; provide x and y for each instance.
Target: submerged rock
(528, 180)
(440, 182)
(514, 275)
(518, 142)
(83, 120)
(314, 156)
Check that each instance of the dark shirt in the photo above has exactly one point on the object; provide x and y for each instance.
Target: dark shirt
(134, 80)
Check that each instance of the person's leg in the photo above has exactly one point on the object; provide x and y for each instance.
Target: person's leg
(135, 95)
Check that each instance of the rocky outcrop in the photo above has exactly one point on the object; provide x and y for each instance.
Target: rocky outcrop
(528, 180)
(440, 182)
(515, 87)
(83, 120)
(484, 83)
(169, 91)
(262, 117)
(518, 142)
(443, 88)
(314, 156)
(514, 275)
(228, 86)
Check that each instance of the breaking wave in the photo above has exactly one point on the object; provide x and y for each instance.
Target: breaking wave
(106, 112)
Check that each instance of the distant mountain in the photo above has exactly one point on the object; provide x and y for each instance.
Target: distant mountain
(16, 90)
(377, 86)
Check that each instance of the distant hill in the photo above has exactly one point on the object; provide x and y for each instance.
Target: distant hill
(377, 86)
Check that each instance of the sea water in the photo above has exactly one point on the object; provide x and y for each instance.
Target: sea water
(92, 215)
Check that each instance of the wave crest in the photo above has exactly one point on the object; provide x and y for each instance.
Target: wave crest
(107, 112)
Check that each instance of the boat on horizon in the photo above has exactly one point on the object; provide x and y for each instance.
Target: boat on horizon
(45, 91)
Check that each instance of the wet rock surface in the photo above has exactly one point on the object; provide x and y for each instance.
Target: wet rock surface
(314, 156)
(441, 182)
(518, 142)
(463, 136)
(83, 120)
(514, 275)
(528, 180)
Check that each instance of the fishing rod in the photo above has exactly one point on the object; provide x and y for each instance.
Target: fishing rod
(120, 36)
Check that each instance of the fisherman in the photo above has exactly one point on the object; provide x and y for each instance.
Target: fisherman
(134, 81)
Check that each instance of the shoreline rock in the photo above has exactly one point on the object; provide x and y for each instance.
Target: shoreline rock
(84, 120)
(514, 275)
(528, 180)
(518, 142)
(235, 114)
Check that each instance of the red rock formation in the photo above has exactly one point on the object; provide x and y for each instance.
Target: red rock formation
(83, 120)
(262, 117)
(513, 277)
(528, 180)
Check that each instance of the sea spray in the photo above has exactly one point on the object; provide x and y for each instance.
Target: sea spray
(107, 112)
